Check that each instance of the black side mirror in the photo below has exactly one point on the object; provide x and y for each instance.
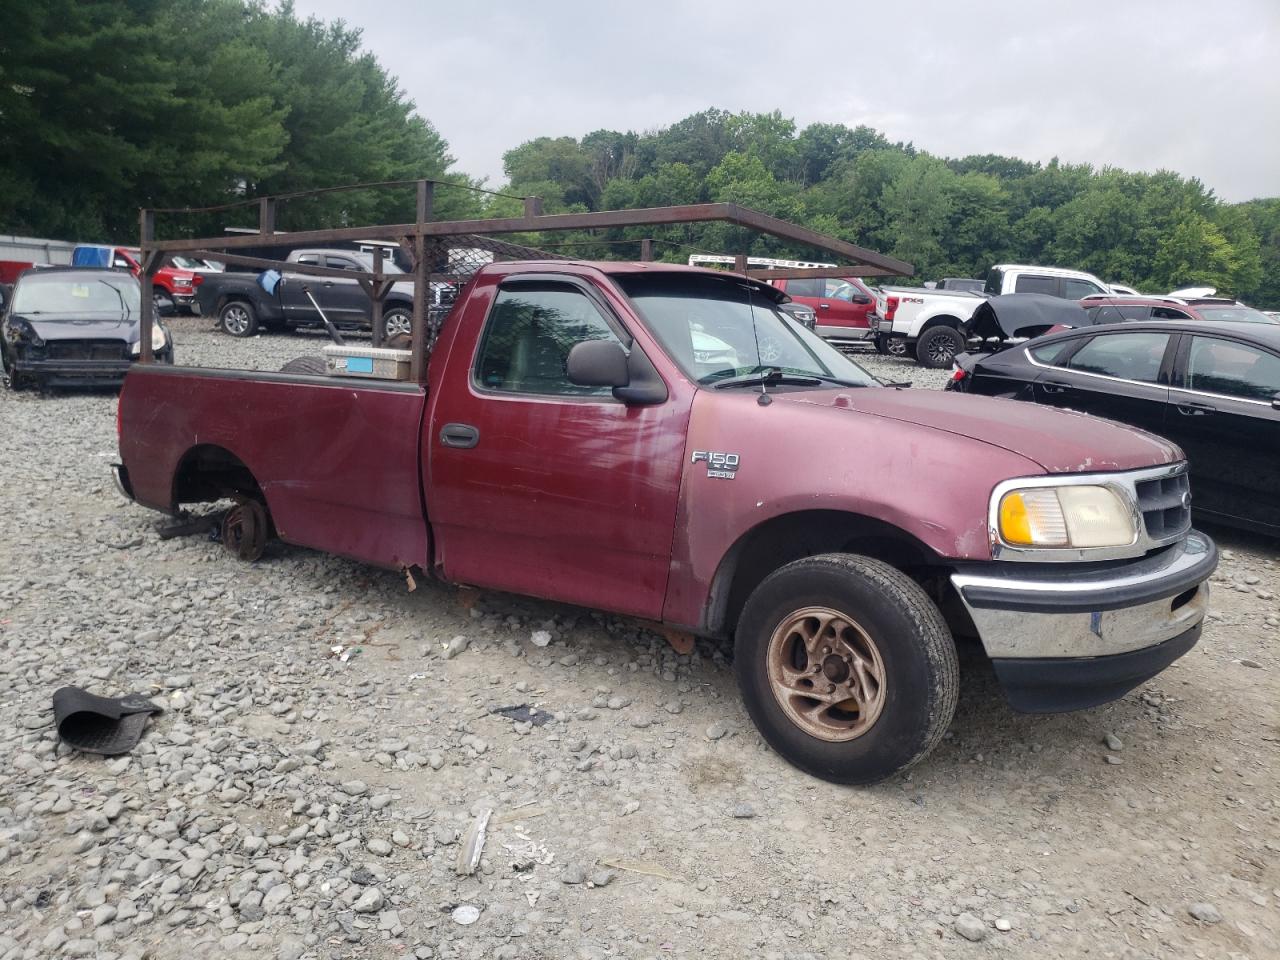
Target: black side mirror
(598, 363)
(859, 298)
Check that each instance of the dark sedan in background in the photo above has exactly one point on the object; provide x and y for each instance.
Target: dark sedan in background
(1212, 388)
(74, 326)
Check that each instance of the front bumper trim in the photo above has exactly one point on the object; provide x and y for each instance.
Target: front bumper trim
(1052, 611)
(1061, 684)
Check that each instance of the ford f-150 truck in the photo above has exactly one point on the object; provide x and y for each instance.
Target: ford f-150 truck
(575, 445)
(926, 324)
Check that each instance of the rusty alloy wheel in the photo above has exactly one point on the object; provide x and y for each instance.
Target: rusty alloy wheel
(244, 530)
(826, 674)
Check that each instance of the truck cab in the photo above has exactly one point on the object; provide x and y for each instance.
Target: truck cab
(1051, 281)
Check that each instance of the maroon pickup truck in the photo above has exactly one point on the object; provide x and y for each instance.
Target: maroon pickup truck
(662, 442)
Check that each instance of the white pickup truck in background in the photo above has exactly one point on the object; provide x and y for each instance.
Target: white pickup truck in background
(925, 324)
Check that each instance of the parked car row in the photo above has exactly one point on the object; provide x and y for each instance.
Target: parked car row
(928, 324)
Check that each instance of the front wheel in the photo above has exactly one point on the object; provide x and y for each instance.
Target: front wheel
(238, 319)
(938, 346)
(846, 667)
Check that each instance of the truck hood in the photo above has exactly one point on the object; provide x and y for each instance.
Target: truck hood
(1060, 441)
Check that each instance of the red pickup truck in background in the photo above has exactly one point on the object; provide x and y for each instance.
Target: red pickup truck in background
(843, 306)
(177, 284)
(581, 442)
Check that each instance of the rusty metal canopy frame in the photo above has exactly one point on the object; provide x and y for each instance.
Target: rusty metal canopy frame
(426, 240)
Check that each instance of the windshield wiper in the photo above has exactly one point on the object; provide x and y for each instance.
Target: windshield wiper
(124, 307)
(768, 377)
(771, 376)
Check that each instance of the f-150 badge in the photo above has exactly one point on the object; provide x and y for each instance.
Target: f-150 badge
(721, 465)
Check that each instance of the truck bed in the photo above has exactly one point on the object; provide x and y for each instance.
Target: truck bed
(357, 493)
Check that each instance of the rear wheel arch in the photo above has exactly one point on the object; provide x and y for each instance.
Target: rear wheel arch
(208, 472)
(943, 320)
(774, 543)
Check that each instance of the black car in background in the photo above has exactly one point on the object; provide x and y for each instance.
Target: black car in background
(74, 326)
(1211, 387)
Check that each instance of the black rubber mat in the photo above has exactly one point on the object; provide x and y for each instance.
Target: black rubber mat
(102, 725)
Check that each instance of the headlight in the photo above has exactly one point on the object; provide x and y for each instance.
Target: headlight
(18, 330)
(159, 340)
(1066, 516)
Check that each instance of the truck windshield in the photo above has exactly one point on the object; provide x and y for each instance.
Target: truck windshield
(73, 292)
(717, 328)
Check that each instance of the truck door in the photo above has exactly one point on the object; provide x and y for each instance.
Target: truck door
(538, 486)
(293, 299)
(345, 298)
(1121, 375)
(842, 306)
(1222, 413)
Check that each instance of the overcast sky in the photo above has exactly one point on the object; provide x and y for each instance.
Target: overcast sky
(1140, 84)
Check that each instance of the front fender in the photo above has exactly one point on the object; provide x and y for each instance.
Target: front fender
(933, 485)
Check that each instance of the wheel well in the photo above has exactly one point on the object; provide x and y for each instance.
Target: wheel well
(208, 472)
(227, 298)
(781, 540)
(943, 321)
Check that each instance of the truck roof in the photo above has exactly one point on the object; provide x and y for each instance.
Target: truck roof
(623, 267)
(1049, 271)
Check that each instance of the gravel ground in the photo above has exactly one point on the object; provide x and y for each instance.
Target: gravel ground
(296, 802)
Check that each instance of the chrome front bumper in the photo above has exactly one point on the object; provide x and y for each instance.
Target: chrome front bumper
(1058, 612)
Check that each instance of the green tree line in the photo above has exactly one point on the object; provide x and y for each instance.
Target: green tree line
(107, 106)
(111, 105)
(949, 217)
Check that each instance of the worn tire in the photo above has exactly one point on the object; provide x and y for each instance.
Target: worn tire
(238, 318)
(396, 320)
(918, 654)
(313, 365)
(938, 346)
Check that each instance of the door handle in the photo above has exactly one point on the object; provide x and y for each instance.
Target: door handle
(1195, 409)
(462, 436)
(1054, 387)
(825, 306)
(328, 283)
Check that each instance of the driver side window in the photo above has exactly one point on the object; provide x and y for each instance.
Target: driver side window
(841, 290)
(528, 336)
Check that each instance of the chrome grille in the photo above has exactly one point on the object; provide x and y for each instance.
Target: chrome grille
(1165, 503)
